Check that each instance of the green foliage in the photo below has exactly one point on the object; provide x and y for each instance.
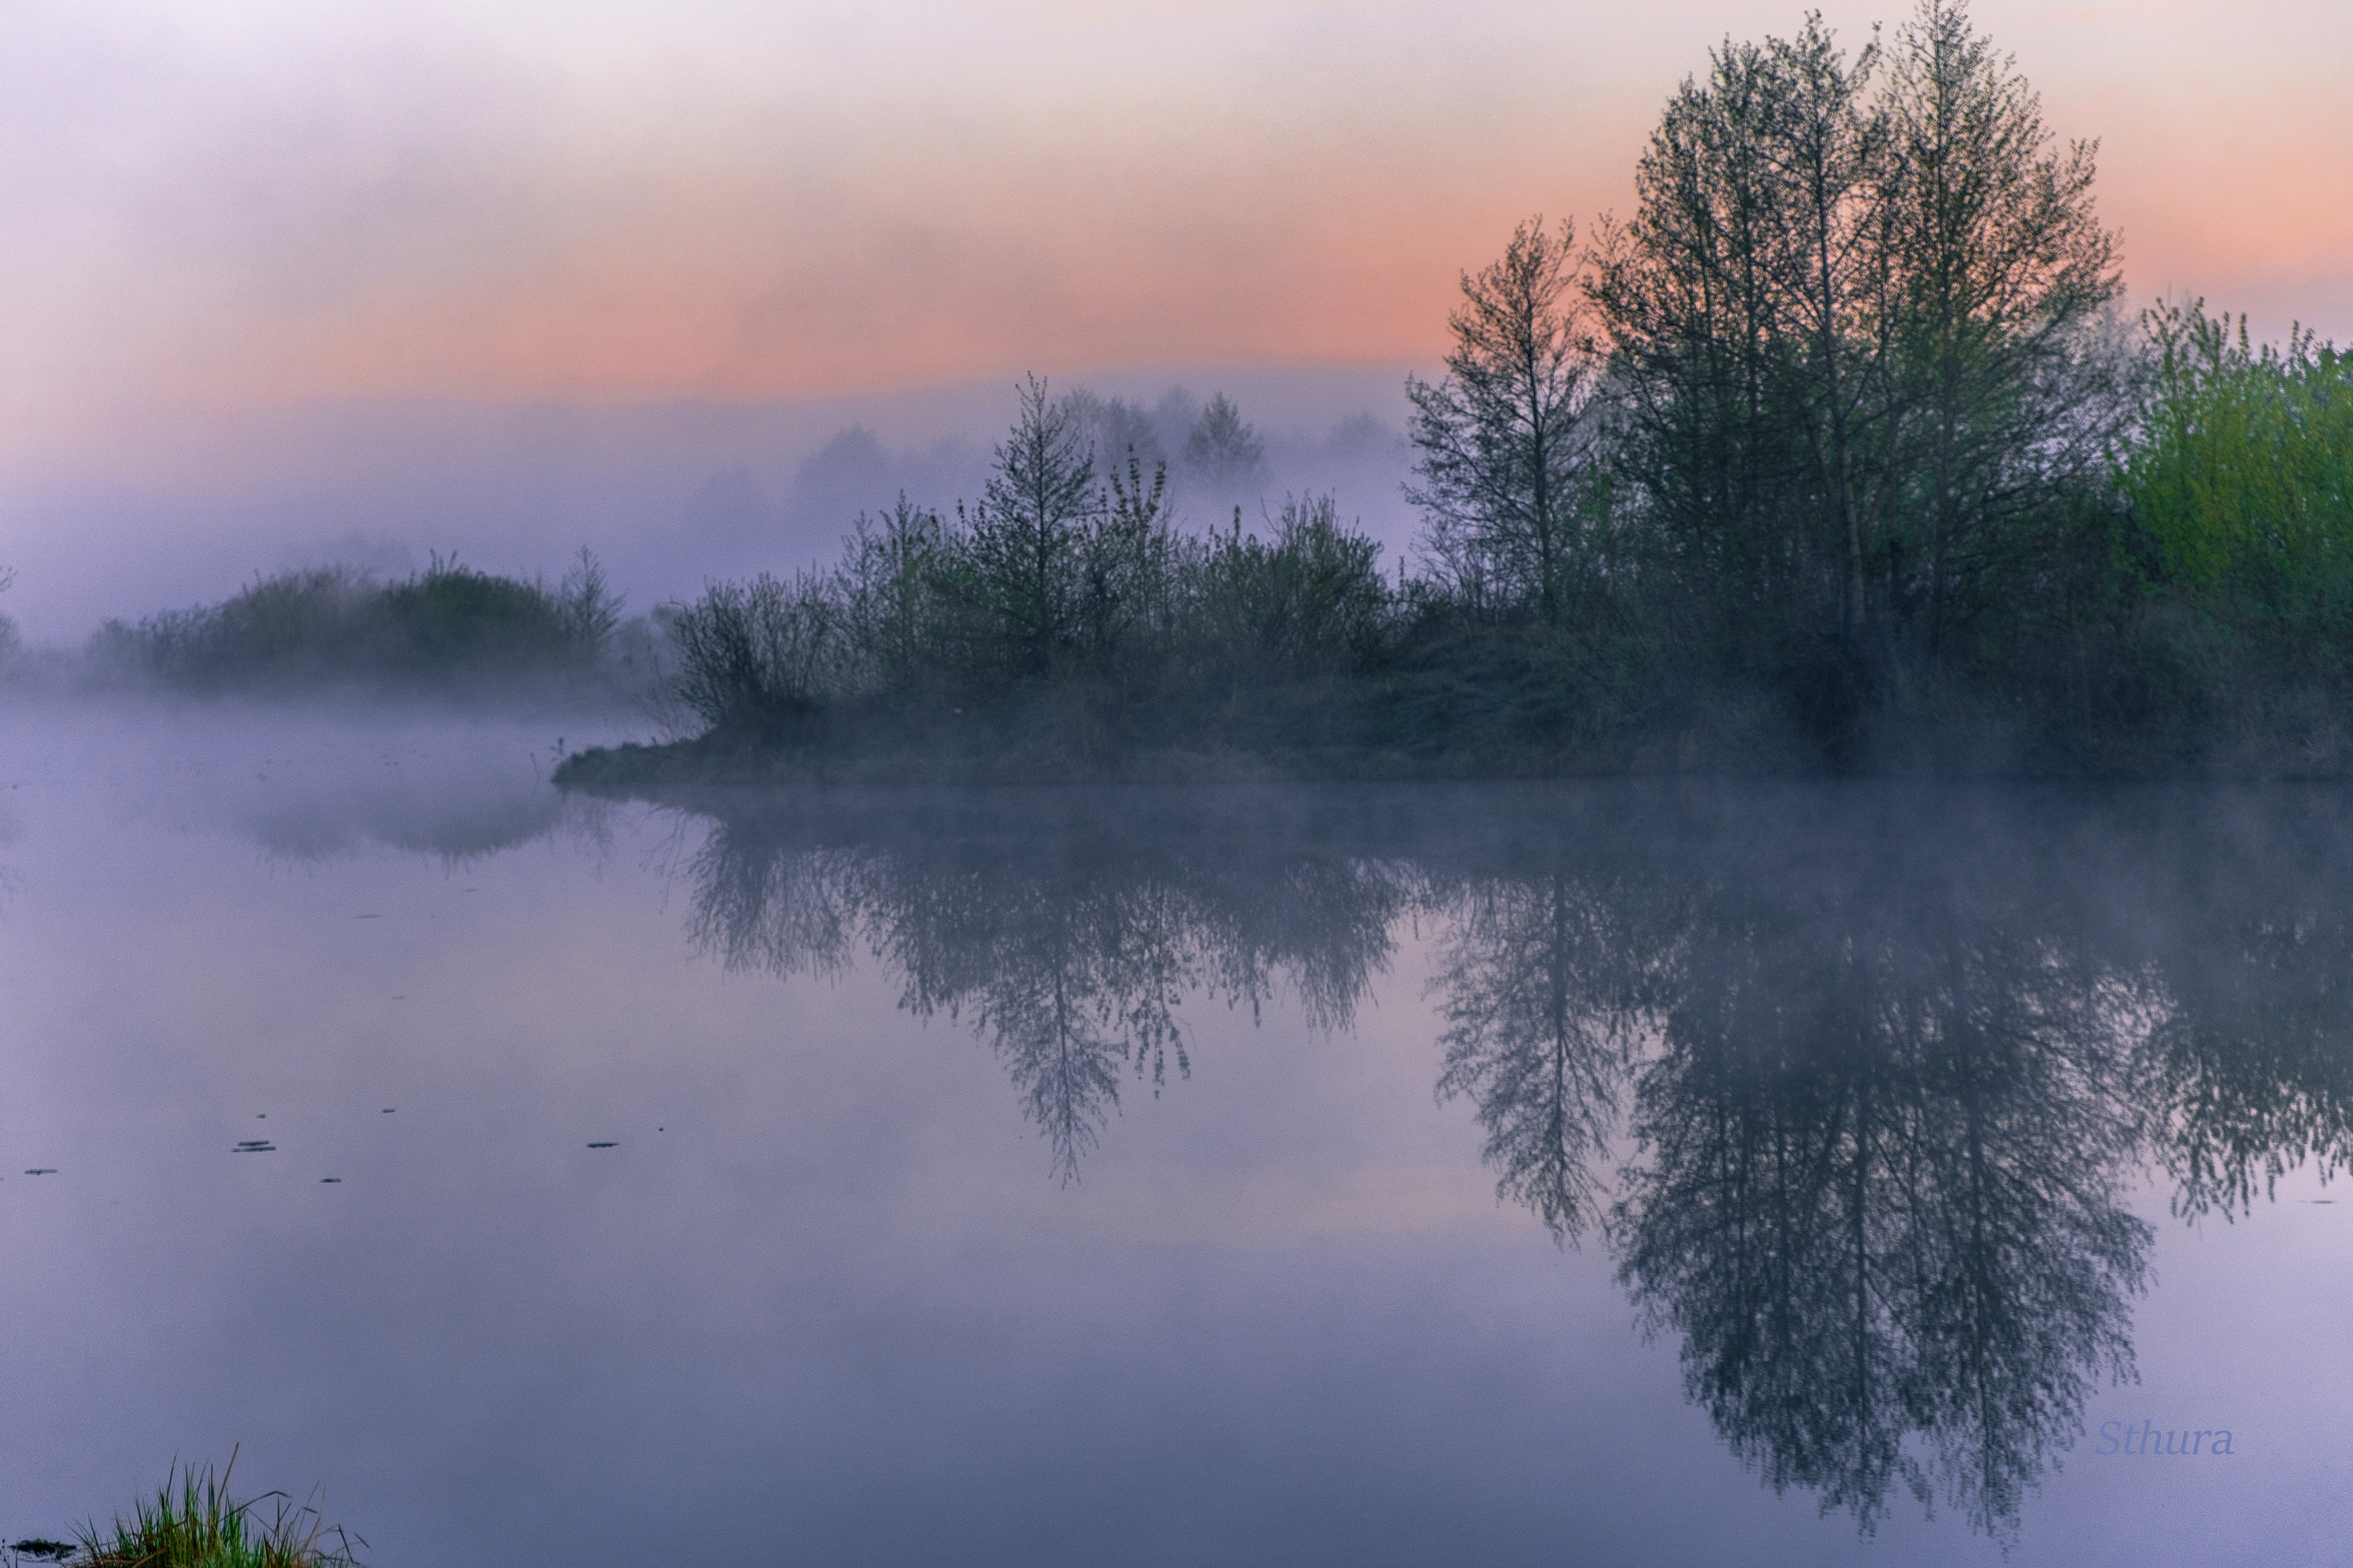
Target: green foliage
(2242, 483)
(199, 1525)
(1307, 603)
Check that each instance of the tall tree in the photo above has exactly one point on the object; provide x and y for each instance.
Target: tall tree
(2003, 275)
(1856, 325)
(1742, 304)
(1505, 440)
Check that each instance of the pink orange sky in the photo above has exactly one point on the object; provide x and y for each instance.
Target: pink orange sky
(213, 207)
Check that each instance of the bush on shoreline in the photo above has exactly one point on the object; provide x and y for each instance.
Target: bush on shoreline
(448, 625)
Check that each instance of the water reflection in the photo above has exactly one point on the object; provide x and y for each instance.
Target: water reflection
(1854, 1087)
(1069, 946)
(1884, 1142)
(1542, 985)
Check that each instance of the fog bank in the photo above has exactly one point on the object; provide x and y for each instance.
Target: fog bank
(668, 494)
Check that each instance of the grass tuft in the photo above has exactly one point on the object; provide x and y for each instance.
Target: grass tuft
(194, 1522)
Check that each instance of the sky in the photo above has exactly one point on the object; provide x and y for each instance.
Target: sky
(222, 220)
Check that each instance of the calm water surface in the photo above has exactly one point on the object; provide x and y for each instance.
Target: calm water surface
(1615, 1173)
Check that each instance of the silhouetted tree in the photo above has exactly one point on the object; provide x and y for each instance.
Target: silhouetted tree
(897, 587)
(1222, 453)
(1745, 305)
(1860, 333)
(1026, 536)
(2005, 400)
(1505, 445)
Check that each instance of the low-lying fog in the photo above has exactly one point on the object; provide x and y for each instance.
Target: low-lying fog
(1164, 1176)
(667, 495)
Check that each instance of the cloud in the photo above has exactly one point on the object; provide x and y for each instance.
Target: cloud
(216, 207)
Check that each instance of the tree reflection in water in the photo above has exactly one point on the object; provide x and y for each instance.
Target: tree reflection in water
(1541, 990)
(1883, 1153)
(1070, 945)
(1853, 1084)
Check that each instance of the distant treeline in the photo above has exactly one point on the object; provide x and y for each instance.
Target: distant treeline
(1836, 453)
(338, 624)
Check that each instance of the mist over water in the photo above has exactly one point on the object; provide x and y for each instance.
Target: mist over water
(795, 1141)
(670, 495)
(1311, 1174)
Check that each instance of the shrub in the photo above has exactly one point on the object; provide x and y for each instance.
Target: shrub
(337, 622)
(758, 656)
(1309, 602)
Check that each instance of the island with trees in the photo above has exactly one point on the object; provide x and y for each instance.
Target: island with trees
(1840, 453)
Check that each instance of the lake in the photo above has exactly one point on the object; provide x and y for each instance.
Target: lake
(1626, 1172)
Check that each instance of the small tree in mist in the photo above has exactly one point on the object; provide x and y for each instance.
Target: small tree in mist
(1024, 540)
(895, 584)
(590, 609)
(1112, 428)
(1222, 453)
(1505, 447)
(1128, 558)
